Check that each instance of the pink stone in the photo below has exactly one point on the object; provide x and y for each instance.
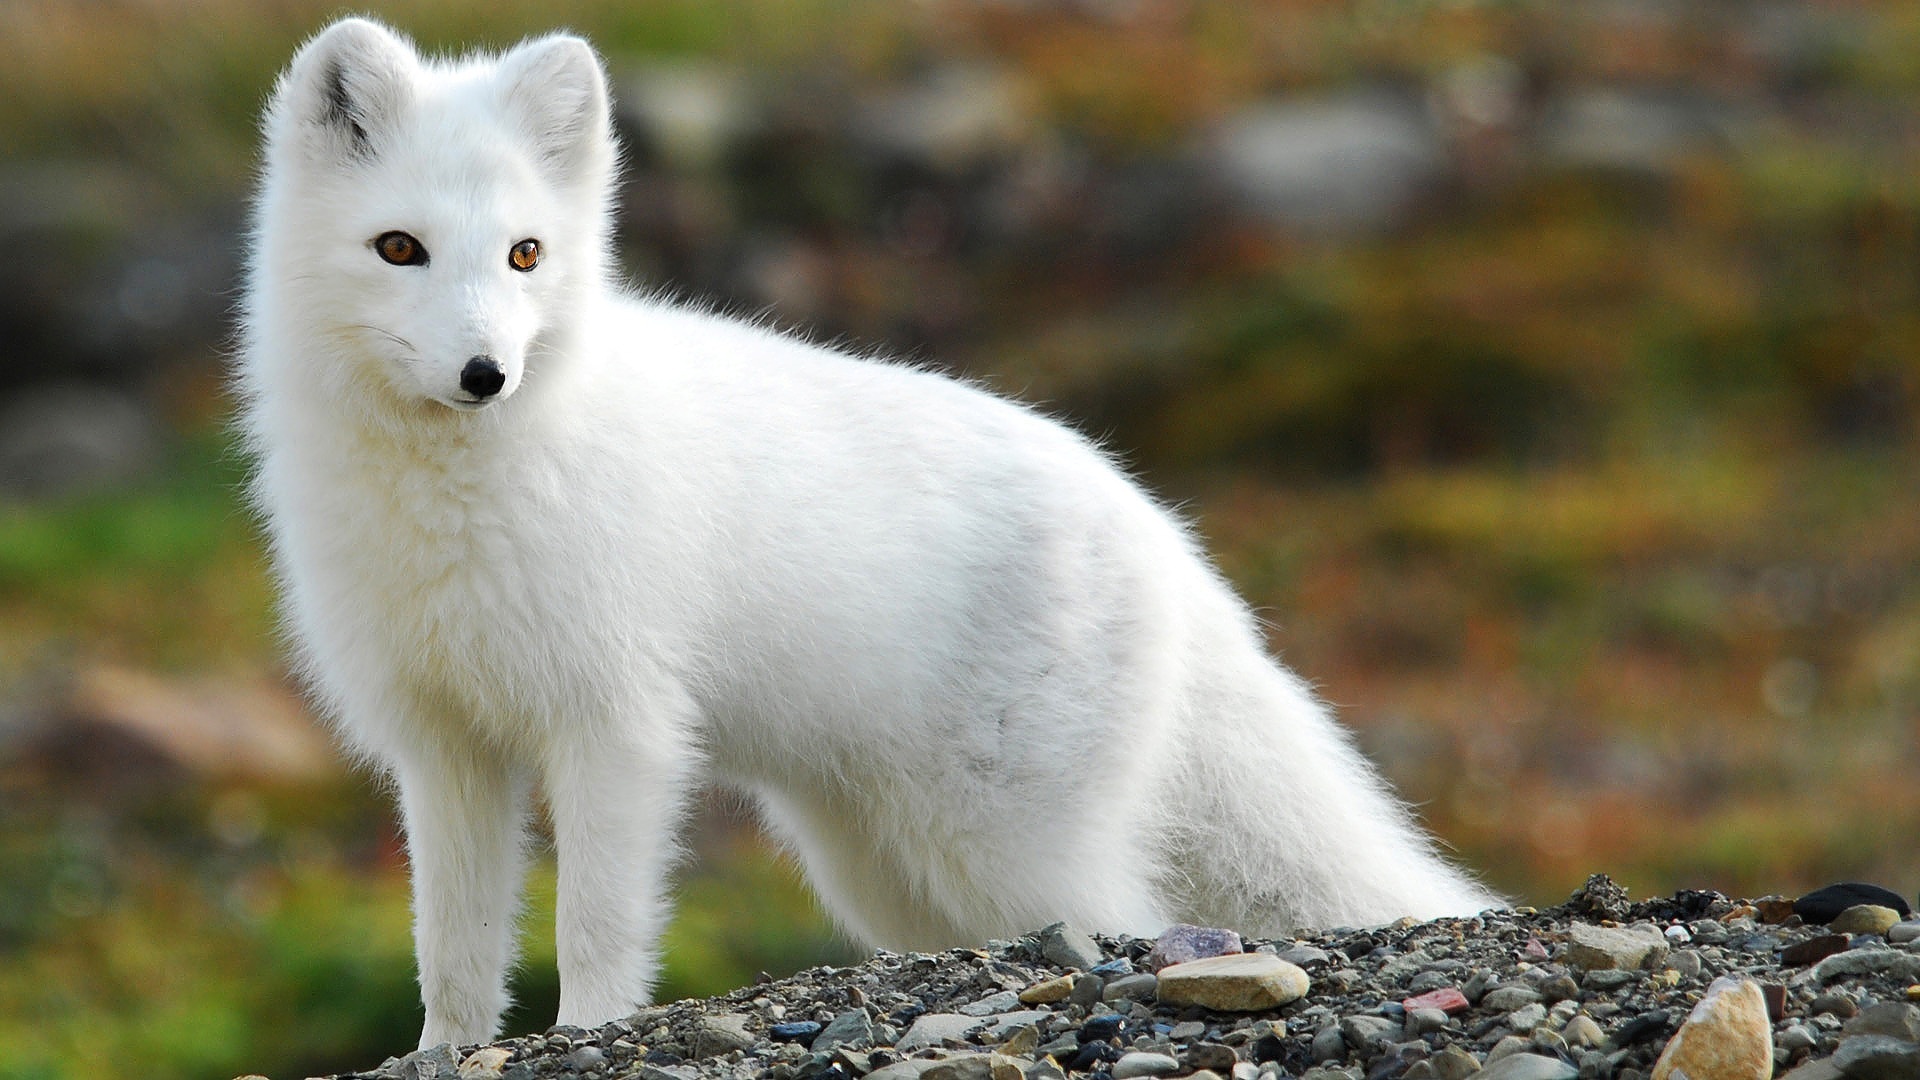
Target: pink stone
(1447, 1000)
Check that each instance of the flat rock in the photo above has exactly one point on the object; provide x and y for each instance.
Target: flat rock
(1182, 943)
(1242, 982)
(1727, 1036)
(1524, 1066)
(935, 1029)
(1814, 949)
(1895, 1019)
(1877, 1057)
(852, 1028)
(1890, 962)
(1626, 948)
(1141, 1063)
(720, 1034)
(1822, 906)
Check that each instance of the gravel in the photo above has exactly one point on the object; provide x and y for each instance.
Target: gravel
(1508, 995)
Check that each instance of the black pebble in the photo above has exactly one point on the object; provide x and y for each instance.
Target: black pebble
(1101, 1027)
(1267, 1048)
(1822, 906)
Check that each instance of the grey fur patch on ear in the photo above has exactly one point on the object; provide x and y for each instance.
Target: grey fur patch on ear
(556, 88)
(349, 84)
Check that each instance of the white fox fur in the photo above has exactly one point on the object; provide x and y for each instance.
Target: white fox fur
(972, 676)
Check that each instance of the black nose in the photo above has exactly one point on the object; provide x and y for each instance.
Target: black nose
(482, 377)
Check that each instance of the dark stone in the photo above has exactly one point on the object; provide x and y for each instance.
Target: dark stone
(1101, 1027)
(1775, 995)
(1822, 906)
(1094, 1053)
(1220, 1058)
(800, 1031)
(851, 1028)
(1643, 1028)
(1268, 1047)
(1812, 950)
(1600, 898)
(1112, 969)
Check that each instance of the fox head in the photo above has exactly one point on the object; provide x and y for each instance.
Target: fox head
(437, 225)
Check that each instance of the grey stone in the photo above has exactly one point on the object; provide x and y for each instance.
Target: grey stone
(1581, 1031)
(428, 1063)
(1069, 948)
(1508, 998)
(1137, 987)
(1003, 1024)
(1328, 1044)
(1527, 1017)
(935, 1029)
(1686, 962)
(721, 1034)
(1895, 1019)
(1302, 955)
(586, 1059)
(1454, 1063)
(1626, 948)
(1138, 1064)
(1608, 979)
(1903, 932)
(1889, 962)
(1507, 1047)
(1425, 1022)
(851, 1028)
(910, 1069)
(1815, 1069)
(1796, 1037)
(1527, 1067)
(1004, 1001)
(1369, 1034)
(1878, 1057)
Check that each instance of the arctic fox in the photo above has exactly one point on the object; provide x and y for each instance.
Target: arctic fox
(536, 533)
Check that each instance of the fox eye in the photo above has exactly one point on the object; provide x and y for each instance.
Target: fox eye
(400, 249)
(524, 255)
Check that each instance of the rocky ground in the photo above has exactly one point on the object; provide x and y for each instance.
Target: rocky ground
(1692, 987)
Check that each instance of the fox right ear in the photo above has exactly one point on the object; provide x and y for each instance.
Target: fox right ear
(346, 87)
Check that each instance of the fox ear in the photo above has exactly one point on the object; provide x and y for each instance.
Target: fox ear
(347, 86)
(556, 89)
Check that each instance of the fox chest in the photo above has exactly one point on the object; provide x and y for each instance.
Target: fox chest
(482, 608)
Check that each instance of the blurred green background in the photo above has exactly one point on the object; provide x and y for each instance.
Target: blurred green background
(1547, 373)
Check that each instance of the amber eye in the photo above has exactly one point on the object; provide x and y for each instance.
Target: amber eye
(400, 249)
(524, 256)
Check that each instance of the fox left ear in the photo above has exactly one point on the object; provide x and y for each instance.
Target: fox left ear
(558, 90)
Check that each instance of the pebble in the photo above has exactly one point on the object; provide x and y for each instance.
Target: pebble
(1822, 906)
(1864, 919)
(1448, 1000)
(1896, 1019)
(852, 1028)
(1813, 949)
(1890, 962)
(1144, 1064)
(1140, 986)
(1726, 1037)
(485, 1063)
(1902, 932)
(1877, 1057)
(799, 1031)
(1621, 948)
(1508, 998)
(1069, 948)
(933, 1029)
(1241, 982)
(1582, 1031)
(1048, 992)
(1525, 1066)
(1004, 1001)
(722, 1034)
(1181, 943)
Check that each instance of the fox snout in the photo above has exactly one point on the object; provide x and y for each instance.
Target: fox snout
(482, 377)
